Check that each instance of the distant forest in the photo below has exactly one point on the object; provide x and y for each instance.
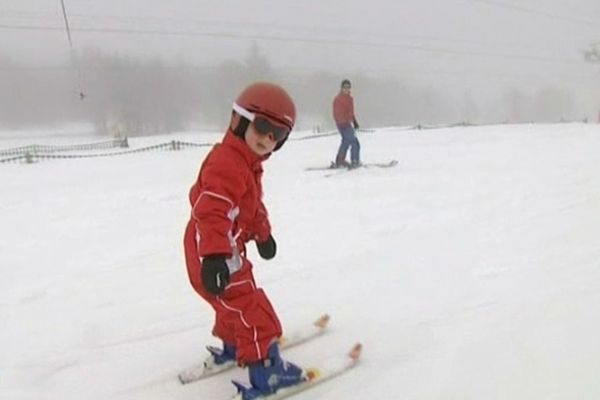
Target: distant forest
(133, 96)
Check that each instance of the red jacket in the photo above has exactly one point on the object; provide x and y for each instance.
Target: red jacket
(343, 109)
(226, 200)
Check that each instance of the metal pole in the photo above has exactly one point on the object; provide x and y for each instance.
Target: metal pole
(71, 51)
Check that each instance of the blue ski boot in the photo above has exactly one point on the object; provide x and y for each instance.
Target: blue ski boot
(270, 375)
(219, 357)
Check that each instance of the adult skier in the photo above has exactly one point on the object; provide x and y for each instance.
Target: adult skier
(345, 120)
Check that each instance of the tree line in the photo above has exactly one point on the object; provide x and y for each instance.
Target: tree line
(120, 94)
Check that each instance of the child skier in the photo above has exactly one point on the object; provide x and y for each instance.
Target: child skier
(228, 212)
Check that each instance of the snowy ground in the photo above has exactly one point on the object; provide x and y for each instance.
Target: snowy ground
(470, 271)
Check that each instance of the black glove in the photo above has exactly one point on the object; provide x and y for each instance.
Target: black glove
(356, 124)
(267, 249)
(215, 274)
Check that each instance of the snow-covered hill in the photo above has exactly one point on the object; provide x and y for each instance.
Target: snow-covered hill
(471, 271)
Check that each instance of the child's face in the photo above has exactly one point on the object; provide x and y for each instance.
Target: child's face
(260, 144)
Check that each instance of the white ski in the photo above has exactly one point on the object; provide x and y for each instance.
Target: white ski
(302, 335)
(338, 171)
(333, 166)
(327, 371)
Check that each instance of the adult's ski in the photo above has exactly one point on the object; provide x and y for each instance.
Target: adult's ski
(333, 167)
(336, 171)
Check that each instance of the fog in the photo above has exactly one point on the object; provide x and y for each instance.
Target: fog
(153, 66)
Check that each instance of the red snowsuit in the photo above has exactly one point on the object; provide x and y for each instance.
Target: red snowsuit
(227, 212)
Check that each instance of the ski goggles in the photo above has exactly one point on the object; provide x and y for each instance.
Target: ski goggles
(266, 127)
(263, 125)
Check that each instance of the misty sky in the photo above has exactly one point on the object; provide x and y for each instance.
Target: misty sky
(458, 45)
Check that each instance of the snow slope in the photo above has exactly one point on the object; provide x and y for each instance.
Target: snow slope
(470, 271)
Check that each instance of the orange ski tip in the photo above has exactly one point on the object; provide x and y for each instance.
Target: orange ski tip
(312, 374)
(322, 321)
(356, 351)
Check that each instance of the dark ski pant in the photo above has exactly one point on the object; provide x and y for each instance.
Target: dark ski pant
(349, 140)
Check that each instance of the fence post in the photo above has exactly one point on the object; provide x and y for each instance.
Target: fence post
(28, 158)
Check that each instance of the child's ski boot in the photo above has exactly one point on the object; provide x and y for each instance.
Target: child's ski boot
(219, 358)
(269, 375)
